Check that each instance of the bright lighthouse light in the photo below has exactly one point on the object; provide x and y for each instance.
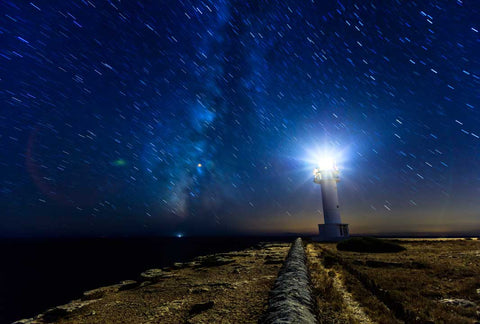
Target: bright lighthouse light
(325, 161)
(326, 164)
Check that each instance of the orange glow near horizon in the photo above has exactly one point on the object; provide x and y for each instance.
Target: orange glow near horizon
(360, 224)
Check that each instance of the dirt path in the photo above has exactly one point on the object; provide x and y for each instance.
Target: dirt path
(335, 303)
(352, 306)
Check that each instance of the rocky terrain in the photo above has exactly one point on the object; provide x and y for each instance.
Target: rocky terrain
(306, 282)
(222, 288)
(432, 281)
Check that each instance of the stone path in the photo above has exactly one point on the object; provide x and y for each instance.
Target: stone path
(291, 299)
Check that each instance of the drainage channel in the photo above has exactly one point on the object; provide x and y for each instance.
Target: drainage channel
(291, 299)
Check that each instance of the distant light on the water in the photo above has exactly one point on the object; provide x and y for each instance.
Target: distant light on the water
(179, 235)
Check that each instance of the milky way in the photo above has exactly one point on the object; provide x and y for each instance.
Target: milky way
(205, 116)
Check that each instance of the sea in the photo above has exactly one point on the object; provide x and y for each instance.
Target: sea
(36, 274)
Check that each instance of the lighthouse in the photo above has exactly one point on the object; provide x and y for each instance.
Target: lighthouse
(327, 176)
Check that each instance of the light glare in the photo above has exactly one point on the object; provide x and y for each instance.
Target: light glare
(326, 164)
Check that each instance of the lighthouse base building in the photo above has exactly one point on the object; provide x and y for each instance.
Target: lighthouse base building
(333, 229)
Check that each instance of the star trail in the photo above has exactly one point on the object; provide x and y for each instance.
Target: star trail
(199, 117)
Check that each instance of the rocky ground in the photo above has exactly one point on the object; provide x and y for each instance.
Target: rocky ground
(223, 288)
(430, 282)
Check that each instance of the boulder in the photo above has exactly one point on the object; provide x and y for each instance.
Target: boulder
(458, 302)
(215, 260)
(127, 284)
(30, 320)
(55, 313)
(179, 265)
(199, 290)
(193, 264)
(155, 275)
(100, 292)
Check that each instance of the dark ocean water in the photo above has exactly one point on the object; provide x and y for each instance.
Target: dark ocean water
(37, 274)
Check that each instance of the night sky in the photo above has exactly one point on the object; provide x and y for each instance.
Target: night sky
(207, 117)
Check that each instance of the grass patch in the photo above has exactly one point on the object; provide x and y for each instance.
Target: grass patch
(330, 305)
(374, 308)
(368, 245)
(412, 283)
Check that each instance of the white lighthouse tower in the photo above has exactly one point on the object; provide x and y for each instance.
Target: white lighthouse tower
(327, 176)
